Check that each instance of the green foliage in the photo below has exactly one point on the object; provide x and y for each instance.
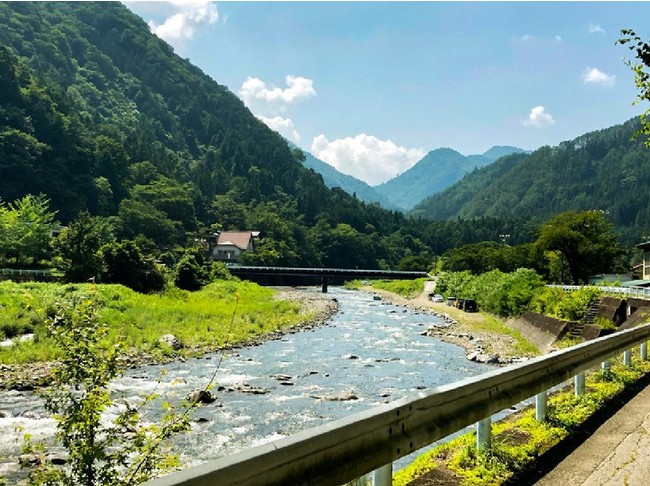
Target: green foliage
(125, 264)
(79, 246)
(199, 319)
(192, 272)
(505, 294)
(482, 257)
(26, 227)
(585, 241)
(641, 51)
(575, 175)
(563, 304)
(120, 453)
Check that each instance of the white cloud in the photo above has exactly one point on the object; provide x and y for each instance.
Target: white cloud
(596, 76)
(182, 25)
(596, 29)
(298, 88)
(558, 38)
(538, 118)
(284, 126)
(366, 157)
(526, 38)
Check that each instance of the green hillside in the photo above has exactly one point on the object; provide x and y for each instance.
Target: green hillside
(435, 172)
(604, 170)
(98, 113)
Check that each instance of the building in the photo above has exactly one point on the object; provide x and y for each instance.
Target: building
(231, 244)
(645, 273)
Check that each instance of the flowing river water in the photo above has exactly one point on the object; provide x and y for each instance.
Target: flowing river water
(369, 349)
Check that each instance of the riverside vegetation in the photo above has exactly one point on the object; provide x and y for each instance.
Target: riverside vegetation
(199, 320)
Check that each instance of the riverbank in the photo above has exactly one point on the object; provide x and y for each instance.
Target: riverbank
(315, 308)
(484, 337)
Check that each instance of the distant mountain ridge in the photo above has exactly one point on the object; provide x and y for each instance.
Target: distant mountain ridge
(435, 172)
(606, 170)
(351, 185)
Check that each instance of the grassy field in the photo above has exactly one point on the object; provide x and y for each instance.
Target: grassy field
(201, 320)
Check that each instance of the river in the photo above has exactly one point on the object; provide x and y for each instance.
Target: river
(370, 349)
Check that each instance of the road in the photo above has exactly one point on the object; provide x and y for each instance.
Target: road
(616, 454)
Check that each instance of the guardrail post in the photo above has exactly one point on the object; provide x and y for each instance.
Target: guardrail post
(541, 399)
(627, 357)
(383, 476)
(579, 384)
(484, 434)
(605, 367)
(644, 350)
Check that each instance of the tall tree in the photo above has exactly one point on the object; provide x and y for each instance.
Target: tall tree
(79, 246)
(584, 240)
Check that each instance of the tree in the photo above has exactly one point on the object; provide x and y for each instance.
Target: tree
(26, 226)
(79, 246)
(119, 452)
(191, 272)
(583, 239)
(641, 51)
(125, 264)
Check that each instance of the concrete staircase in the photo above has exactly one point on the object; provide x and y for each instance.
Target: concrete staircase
(589, 317)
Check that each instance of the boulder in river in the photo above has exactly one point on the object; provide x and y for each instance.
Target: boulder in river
(171, 341)
(200, 395)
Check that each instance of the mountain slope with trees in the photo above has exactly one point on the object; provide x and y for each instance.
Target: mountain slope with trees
(604, 170)
(98, 113)
(436, 171)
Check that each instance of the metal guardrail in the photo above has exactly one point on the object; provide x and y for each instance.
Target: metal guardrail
(25, 272)
(638, 292)
(346, 449)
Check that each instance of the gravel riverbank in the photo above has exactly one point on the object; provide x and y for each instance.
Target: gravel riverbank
(464, 329)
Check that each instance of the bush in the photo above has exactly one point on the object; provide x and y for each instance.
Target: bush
(126, 265)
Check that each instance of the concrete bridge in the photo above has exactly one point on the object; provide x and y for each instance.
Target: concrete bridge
(324, 274)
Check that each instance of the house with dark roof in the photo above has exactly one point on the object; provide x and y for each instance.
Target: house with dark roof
(231, 244)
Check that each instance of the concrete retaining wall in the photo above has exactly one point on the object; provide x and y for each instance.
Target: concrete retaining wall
(543, 331)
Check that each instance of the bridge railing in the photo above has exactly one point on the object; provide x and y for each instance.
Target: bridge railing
(349, 448)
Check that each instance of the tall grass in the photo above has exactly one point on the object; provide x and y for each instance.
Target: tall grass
(199, 319)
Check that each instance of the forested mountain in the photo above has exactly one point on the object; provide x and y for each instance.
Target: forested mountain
(438, 170)
(333, 178)
(603, 170)
(96, 112)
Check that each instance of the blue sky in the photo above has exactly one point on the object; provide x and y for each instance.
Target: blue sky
(371, 87)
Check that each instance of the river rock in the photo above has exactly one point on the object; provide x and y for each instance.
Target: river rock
(57, 459)
(28, 414)
(344, 396)
(282, 377)
(171, 341)
(29, 460)
(5, 414)
(200, 395)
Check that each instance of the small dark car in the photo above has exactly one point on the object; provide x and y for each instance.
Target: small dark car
(470, 305)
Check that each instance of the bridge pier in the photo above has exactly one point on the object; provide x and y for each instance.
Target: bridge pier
(325, 282)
